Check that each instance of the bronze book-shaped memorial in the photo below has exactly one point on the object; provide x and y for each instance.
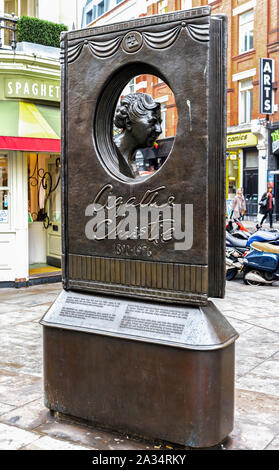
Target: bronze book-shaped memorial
(187, 51)
(133, 342)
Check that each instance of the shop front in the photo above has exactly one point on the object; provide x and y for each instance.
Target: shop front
(273, 167)
(242, 170)
(30, 204)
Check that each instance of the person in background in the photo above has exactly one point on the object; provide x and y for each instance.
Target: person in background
(238, 205)
(266, 207)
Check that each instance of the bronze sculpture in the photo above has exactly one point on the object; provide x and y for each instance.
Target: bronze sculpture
(139, 117)
(157, 320)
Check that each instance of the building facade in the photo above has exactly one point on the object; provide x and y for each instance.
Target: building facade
(111, 11)
(30, 202)
(68, 12)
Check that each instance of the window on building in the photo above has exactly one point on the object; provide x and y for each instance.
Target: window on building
(89, 13)
(245, 101)
(246, 31)
(164, 119)
(4, 190)
(101, 8)
(132, 85)
(162, 7)
(186, 4)
(89, 17)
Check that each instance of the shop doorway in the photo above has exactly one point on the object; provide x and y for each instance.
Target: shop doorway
(250, 181)
(251, 191)
(44, 215)
(53, 208)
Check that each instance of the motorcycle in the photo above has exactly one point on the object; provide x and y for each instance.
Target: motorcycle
(240, 231)
(234, 242)
(261, 264)
(260, 236)
(234, 262)
(264, 236)
(237, 249)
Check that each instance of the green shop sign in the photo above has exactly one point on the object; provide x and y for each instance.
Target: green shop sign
(275, 141)
(33, 89)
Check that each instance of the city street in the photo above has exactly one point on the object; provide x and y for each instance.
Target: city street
(26, 424)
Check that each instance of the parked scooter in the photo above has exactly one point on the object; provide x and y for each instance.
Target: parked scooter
(264, 236)
(239, 231)
(260, 236)
(234, 242)
(234, 262)
(237, 249)
(261, 264)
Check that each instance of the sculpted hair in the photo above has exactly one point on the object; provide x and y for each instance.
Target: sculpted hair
(132, 107)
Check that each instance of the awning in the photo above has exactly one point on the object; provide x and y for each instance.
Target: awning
(29, 127)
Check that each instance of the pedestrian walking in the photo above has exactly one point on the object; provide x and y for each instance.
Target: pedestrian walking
(266, 207)
(238, 205)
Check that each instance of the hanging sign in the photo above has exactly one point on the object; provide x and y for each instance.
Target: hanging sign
(266, 79)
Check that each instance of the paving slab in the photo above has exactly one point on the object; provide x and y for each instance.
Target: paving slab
(264, 377)
(247, 436)
(257, 408)
(19, 389)
(274, 445)
(12, 438)
(5, 408)
(47, 443)
(29, 416)
(90, 436)
(25, 423)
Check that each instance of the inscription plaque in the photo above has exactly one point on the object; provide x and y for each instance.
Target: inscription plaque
(186, 327)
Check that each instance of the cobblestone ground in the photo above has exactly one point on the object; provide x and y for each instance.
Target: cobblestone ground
(26, 424)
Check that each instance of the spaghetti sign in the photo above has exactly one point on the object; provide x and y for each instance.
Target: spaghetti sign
(266, 79)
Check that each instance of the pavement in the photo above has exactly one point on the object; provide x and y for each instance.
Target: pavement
(251, 224)
(26, 424)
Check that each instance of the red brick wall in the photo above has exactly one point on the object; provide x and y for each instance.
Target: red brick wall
(266, 44)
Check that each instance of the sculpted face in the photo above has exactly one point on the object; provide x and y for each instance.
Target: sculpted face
(147, 129)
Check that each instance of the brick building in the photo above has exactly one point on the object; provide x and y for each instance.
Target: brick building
(253, 138)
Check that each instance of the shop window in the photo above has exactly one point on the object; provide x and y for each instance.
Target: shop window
(162, 7)
(233, 174)
(246, 31)
(245, 101)
(43, 186)
(4, 190)
(251, 159)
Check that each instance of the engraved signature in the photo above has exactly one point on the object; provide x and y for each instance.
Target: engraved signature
(139, 218)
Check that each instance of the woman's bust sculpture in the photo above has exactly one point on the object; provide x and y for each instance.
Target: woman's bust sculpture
(139, 117)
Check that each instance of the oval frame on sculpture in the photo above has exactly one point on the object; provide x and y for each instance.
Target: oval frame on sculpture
(144, 349)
